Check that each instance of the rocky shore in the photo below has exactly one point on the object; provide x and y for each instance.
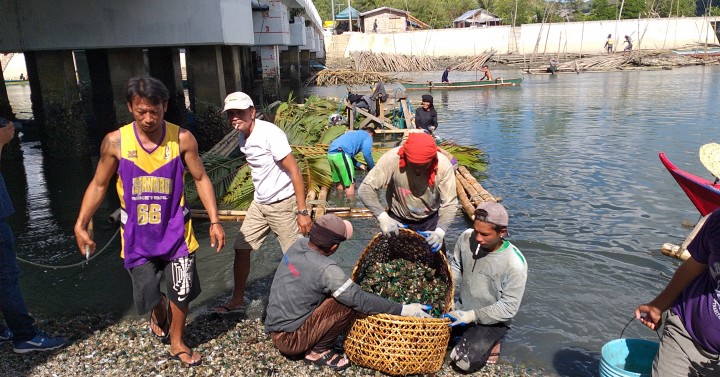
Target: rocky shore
(101, 345)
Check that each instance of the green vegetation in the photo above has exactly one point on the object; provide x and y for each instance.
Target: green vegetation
(441, 13)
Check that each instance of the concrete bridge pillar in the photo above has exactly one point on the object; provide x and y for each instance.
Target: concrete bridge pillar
(293, 62)
(103, 101)
(10, 152)
(305, 63)
(56, 104)
(270, 57)
(206, 78)
(247, 69)
(164, 64)
(123, 64)
(231, 68)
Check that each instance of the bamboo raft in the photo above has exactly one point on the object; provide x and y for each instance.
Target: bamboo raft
(470, 194)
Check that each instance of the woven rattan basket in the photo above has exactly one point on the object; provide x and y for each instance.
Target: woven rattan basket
(394, 344)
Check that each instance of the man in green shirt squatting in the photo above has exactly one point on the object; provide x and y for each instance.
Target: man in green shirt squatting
(490, 273)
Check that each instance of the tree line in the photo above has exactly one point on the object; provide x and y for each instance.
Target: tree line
(442, 13)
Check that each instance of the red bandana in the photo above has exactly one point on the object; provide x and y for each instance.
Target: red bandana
(420, 148)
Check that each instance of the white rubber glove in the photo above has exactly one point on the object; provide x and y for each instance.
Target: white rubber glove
(434, 238)
(415, 310)
(388, 225)
(460, 317)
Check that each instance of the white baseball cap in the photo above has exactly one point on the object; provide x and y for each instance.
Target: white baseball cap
(238, 101)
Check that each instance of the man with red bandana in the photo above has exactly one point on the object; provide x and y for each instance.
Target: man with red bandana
(420, 193)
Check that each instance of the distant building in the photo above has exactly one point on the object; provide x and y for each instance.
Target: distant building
(390, 20)
(477, 18)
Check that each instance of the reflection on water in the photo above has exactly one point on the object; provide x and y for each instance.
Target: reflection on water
(573, 156)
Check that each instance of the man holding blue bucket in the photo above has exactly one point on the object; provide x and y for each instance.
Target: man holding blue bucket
(691, 340)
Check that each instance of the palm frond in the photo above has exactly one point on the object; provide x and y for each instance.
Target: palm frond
(241, 190)
(220, 169)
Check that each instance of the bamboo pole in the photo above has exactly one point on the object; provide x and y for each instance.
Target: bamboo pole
(309, 198)
(464, 200)
(472, 194)
(484, 194)
(675, 251)
(320, 209)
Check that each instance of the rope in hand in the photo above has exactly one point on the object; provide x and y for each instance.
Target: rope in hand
(628, 324)
(74, 264)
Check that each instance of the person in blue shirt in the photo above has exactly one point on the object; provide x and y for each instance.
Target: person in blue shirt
(341, 156)
(445, 75)
(20, 328)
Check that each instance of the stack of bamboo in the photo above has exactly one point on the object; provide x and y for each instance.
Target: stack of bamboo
(334, 77)
(370, 61)
(470, 193)
(476, 62)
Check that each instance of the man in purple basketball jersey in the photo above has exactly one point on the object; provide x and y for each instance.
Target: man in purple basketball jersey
(691, 339)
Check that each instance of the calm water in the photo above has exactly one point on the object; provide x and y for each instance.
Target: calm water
(574, 158)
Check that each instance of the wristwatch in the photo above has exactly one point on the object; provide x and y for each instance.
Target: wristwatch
(303, 212)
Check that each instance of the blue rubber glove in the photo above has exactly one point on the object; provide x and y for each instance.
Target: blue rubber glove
(460, 317)
(415, 310)
(433, 238)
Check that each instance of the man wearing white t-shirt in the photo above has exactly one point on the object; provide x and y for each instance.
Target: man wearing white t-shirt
(279, 199)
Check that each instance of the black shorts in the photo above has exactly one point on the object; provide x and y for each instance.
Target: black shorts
(181, 279)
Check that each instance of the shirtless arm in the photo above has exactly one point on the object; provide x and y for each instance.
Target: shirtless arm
(106, 168)
(189, 153)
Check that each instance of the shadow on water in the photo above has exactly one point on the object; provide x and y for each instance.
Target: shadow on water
(573, 362)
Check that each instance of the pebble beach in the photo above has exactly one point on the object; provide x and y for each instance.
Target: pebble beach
(102, 345)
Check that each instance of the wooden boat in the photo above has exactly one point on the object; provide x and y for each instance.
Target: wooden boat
(699, 52)
(430, 85)
(704, 194)
(16, 82)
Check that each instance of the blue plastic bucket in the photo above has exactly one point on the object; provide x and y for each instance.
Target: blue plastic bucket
(628, 358)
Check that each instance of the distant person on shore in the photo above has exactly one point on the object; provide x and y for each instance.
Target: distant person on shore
(151, 157)
(609, 44)
(629, 43)
(486, 71)
(375, 26)
(426, 116)
(20, 328)
(22, 77)
(312, 300)
(279, 200)
(490, 274)
(341, 157)
(445, 75)
(553, 67)
(688, 306)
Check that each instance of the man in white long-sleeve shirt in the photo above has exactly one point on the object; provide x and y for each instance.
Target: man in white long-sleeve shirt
(490, 274)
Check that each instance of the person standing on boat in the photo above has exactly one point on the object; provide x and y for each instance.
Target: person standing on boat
(690, 308)
(426, 116)
(420, 192)
(490, 274)
(341, 156)
(279, 200)
(609, 44)
(20, 328)
(629, 43)
(486, 71)
(445, 75)
(312, 301)
(150, 157)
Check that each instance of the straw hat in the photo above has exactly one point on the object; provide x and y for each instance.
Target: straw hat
(710, 158)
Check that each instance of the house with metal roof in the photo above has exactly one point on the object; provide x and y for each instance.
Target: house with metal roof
(476, 18)
(389, 20)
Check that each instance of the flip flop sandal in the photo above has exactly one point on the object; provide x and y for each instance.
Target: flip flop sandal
(327, 361)
(184, 363)
(164, 327)
(224, 309)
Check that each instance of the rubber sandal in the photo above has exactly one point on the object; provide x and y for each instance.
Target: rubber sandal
(327, 361)
(186, 364)
(164, 327)
(224, 309)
